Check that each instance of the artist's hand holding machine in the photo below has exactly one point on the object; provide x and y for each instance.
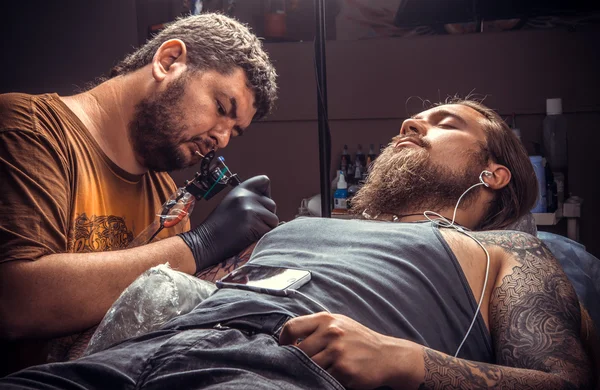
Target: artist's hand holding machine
(244, 215)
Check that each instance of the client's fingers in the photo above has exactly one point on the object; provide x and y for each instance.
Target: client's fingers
(296, 328)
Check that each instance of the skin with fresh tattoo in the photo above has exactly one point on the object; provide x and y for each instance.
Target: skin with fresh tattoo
(535, 322)
(214, 273)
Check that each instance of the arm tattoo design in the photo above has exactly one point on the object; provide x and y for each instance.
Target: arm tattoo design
(534, 322)
(214, 273)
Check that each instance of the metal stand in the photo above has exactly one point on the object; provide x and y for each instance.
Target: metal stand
(324, 136)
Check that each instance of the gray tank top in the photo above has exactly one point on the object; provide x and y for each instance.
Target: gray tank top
(398, 279)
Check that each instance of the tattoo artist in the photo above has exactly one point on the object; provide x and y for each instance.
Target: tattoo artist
(82, 175)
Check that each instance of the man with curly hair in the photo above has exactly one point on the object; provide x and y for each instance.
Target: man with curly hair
(83, 175)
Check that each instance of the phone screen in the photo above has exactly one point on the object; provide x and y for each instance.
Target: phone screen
(261, 278)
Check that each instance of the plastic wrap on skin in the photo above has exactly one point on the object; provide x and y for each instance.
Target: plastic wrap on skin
(155, 297)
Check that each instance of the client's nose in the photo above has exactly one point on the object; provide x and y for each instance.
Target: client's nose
(412, 126)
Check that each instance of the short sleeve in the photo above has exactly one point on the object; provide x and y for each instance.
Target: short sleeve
(34, 196)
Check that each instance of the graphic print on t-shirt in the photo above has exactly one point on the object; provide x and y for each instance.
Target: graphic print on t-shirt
(99, 234)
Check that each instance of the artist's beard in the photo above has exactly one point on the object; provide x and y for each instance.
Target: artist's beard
(405, 181)
(156, 132)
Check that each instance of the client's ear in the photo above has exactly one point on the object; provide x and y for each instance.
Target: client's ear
(499, 178)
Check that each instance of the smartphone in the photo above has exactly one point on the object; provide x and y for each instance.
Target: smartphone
(265, 279)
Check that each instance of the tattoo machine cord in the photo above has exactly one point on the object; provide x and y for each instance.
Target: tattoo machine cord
(442, 221)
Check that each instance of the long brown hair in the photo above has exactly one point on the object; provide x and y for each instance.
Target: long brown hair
(503, 147)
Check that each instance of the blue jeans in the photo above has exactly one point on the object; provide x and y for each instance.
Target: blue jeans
(223, 358)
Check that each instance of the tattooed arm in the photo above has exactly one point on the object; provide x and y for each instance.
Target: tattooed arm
(591, 343)
(216, 272)
(534, 321)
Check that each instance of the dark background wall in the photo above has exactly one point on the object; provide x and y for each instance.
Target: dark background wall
(61, 47)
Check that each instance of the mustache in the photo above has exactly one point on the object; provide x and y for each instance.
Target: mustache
(414, 138)
(208, 143)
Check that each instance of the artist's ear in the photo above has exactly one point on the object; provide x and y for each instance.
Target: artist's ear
(499, 178)
(169, 59)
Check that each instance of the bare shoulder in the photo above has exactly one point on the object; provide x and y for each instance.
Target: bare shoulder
(512, 242)
(521, 250)
(535, 317)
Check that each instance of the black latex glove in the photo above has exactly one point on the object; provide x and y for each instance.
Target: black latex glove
(244, 216)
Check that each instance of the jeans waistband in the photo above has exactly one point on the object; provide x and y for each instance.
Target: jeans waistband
(270, 324)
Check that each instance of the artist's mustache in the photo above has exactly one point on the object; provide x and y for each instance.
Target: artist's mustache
(208, 143)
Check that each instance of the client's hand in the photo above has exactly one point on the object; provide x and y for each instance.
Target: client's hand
(244, 216)
(353, 354)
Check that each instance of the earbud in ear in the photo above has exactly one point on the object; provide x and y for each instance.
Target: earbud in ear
(485, 173)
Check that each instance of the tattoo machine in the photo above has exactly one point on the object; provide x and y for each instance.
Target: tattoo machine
(213, 177)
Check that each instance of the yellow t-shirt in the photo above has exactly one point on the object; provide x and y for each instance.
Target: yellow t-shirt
(60, 192)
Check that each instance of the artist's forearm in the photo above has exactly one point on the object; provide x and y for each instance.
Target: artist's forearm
(441, 371)
(64, 293)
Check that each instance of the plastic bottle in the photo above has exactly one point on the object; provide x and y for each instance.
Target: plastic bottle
(303, 209)
(346, 165)
(551, 195)
(559, 179)
(352, 190)
(358, 175)
(345, 160)
(340, 197)
(372, 155)
(359, 164)
(360, 156)
(540, 174)
(334, 182)
(555, 136)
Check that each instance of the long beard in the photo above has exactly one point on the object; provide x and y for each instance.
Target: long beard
(155, 130)
(405, 181)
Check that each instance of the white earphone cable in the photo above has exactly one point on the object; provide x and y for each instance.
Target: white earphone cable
(296, 292)
(444, 222)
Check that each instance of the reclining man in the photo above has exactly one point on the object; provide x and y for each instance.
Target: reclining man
(402, 291)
